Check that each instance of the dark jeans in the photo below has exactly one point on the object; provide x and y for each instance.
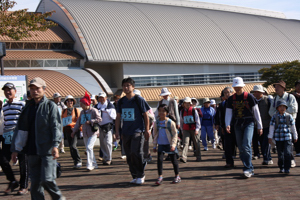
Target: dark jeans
(5, 157)
(255, 140)
(284, 154)
(160, 158)
(265, 146)
(73, 145)
(230, 146)
(133, 146)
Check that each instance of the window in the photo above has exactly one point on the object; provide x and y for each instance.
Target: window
(193, 79)
(50, 63)
(30, 46)
(23, 63)
(37, 63)
(16, 45)
(63, 63)
(9, 63)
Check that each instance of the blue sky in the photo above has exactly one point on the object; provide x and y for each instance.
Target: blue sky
(291, 8)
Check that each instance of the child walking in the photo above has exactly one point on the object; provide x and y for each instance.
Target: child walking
(165, 136)
(282, 126)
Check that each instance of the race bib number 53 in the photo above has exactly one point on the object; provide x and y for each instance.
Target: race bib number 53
(128, 114)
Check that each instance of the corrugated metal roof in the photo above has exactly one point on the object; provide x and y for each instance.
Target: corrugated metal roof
(140, 32)
(27, 55)
(54, 35)
(55, 81)
(198, 91)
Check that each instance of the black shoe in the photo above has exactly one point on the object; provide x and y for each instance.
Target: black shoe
(11, 187)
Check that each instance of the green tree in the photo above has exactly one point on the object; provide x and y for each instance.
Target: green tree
(289, 72)
(18, 24)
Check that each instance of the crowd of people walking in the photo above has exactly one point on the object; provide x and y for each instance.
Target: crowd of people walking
(33, 132)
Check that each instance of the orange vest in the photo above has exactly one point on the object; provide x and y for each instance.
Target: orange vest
(74, 118)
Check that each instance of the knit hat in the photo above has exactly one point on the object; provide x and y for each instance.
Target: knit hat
(86, 100)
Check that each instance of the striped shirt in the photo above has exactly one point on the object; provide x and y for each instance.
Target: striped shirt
(11, 112)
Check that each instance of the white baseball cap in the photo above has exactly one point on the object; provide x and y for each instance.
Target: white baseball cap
(213, 102)
(101, 94)
(93, 97)
(238, 82)
(164, 92)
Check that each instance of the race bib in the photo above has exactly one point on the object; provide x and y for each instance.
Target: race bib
(67, 121)
(8, 137)
(85, 118)
(128, 114)
(189, 119)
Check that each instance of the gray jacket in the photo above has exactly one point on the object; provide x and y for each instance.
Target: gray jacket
(48, 128)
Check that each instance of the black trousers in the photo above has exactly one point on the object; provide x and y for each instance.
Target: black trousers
(5, 157)
(297, 144)
(230, 146)
(160, 158)
(134, 149)
(255, 140)
(73, 145)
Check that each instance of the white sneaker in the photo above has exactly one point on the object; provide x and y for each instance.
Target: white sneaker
(123, 157)
(62, 151)
(133, 181)
(140, 181)
(190, 148)
(213, 145)
(205, 149)
(248, 174)
(293, 163)
(78, 165)
(0, 169)
(16, 163)
(270, 162)
(90, 168)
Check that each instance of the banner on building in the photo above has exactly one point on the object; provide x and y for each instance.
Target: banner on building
(21, 86)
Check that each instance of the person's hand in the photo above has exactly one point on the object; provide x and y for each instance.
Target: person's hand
(55, 153)
(117, 135)
(14, 157)
(260, 132)
(154, 150)
(72, 134)
(178, 126)
(270, 140)
(295, 140)
(147, 135)
(228, 129)
(217, 127)
(196, 132)
(87, 122)
(1, 103)
(172, 148)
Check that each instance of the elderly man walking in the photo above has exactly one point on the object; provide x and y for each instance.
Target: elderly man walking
(38, 134)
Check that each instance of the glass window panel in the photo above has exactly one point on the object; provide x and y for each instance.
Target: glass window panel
(29, 45)
(16, 45)
(75, 63)
(43, 46)
(9, 63)
(7, 45)
(23, 63)
(64, 63)
(37, 63)
(55, 46)
(67, 46)
(50, 63)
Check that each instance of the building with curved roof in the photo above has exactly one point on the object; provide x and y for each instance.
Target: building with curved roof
(175, 43)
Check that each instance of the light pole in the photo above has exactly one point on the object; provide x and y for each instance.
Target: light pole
(2, 54)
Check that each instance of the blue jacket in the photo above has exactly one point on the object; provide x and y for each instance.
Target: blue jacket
(212, 110)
